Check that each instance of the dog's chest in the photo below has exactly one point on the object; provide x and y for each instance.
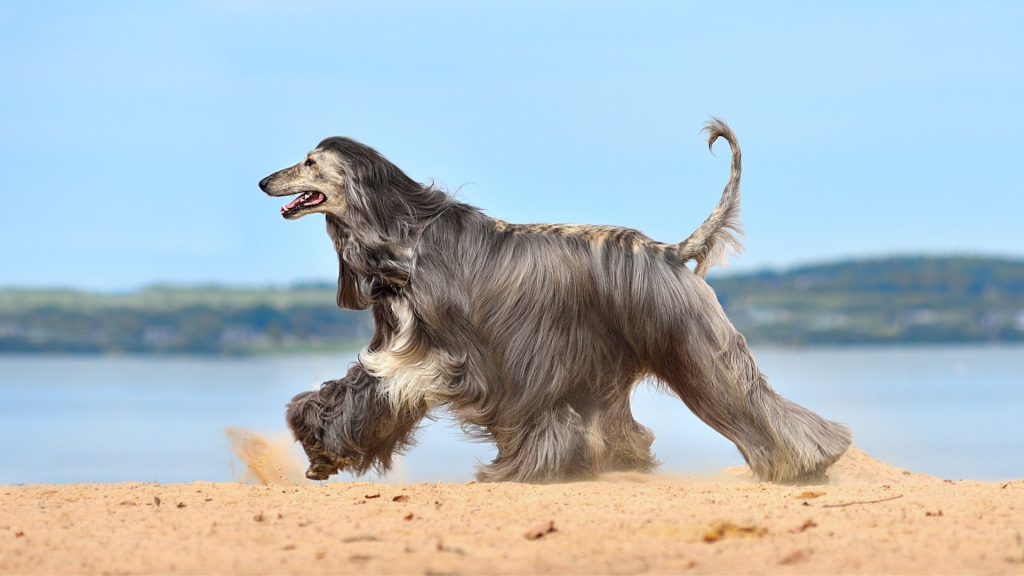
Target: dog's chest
(411, 370)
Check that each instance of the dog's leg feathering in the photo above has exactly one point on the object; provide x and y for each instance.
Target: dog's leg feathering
(551, 448)
(349, 424)
(780, 440)
(707, 363)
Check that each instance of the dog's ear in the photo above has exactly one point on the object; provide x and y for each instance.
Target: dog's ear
(351, 292)
(350, 287)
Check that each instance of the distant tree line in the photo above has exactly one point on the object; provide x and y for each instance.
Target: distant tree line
(891, 300)
(178, 320)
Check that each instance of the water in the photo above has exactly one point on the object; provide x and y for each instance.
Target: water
(954, 412)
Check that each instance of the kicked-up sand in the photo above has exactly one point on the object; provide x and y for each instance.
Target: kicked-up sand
(868, 519)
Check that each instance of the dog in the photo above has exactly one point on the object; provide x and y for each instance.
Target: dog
(533, 336)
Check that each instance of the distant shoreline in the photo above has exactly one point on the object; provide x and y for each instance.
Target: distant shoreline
(267, 353)
(357, 347)
(883, 302)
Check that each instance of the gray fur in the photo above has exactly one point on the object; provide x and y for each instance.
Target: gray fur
(710, 244)
(533, 336)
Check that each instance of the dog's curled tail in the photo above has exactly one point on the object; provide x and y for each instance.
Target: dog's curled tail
(711, 243)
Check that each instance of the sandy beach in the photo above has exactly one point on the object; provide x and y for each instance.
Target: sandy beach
(869, 518)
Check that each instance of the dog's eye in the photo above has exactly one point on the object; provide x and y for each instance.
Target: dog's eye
(309, 162)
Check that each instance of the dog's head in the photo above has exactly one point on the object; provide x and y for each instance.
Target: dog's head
(321, 182)
(359, 191)
(348, 180)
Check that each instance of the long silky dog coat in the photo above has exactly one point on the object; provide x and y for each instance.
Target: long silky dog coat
(533, 336)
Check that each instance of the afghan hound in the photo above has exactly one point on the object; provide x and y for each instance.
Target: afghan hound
(533, 336)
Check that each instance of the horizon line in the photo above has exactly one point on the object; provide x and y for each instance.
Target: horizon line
(721, 272)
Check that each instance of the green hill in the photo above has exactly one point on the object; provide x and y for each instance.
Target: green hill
(890, 300)
(918, 299)
(206, 320)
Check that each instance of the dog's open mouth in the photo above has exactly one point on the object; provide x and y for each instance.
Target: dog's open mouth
(305, 200)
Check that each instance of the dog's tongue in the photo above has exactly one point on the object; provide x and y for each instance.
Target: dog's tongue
(295, 202)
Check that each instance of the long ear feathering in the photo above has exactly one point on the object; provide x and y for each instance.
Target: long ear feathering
(351, 290)
(390, 203)
(718, 236)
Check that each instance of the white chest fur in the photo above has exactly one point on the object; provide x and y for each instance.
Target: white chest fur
(412, 372)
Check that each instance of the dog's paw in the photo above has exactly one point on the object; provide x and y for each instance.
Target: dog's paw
(323, 466)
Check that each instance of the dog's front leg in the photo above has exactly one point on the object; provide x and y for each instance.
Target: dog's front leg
(348, 424)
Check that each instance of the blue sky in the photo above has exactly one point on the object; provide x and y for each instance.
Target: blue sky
(133, 134)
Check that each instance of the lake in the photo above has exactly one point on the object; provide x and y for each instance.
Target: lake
(954, 412)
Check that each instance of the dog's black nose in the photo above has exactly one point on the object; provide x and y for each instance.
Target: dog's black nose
(264, 182)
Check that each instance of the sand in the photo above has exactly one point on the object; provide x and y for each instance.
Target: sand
(870, 518)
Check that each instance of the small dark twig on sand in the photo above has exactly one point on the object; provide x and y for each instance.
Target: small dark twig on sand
(862, 502)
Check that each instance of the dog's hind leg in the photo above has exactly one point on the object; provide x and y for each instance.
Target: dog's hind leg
(707, 363)
(781, 441)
